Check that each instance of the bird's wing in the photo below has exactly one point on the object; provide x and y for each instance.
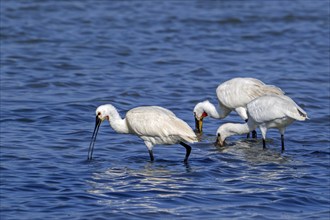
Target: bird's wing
(158, 122)
(271, 107)
(238, 92)
(296, 111)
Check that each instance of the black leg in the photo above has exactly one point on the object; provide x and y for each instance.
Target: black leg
(254, 134)
(282, 140)
(248, 134)
(188, 150)
(151, 155)
(263, 143)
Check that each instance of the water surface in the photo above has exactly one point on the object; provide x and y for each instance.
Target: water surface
(61, 59)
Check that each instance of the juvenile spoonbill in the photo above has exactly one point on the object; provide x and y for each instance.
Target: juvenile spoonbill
(153, 124)
(233, 94)
(269, 111)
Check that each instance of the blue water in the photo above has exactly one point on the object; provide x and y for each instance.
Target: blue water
(61, 59)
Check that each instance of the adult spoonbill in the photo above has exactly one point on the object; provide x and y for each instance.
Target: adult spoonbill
(233, 94)
(269, 111)
(153, 124)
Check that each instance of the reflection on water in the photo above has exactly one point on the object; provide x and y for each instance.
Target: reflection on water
(147, 184)
(141, 188)
(253, 152)
(145, 179)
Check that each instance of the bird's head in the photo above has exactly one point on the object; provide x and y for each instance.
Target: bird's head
(221, 136)
(200, 114)
(103, 112)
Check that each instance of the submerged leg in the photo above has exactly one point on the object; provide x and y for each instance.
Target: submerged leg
(282, 141)
(263, 130)
(151, 155)
(263, 143)
(150, 146)
(248, 134)
(188, 150)
(254, 134)
(282, 130)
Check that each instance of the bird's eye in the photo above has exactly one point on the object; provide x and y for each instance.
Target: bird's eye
(99, 113)
(218, 134)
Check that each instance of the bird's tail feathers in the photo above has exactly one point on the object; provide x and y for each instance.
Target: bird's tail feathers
(190, 139)
(299, 114)
(270, 89)
(302, 114)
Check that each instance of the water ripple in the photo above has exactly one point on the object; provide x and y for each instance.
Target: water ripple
(60, 60)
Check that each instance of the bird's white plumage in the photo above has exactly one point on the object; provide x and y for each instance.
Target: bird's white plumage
(271, 107)
(153, 124)
(235, 94)
(238, 92)
(269, 111)
(158, 125)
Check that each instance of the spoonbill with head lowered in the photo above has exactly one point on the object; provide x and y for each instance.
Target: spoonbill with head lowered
(153, 124)
(233, 94)
(270, 111)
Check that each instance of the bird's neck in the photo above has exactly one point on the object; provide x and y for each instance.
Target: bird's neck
(118, 124)
(241, 128)
(231, 129)
(215, 112)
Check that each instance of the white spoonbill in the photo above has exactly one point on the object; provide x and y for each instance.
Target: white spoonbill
(270, 111)
(233, 94)
(153, 124)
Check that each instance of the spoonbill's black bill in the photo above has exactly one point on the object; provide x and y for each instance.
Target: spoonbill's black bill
(98, 122)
